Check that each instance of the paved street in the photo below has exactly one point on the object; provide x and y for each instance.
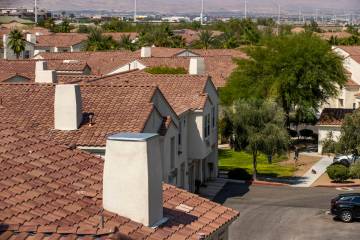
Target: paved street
(284, 213)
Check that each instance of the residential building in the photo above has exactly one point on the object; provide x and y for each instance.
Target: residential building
(37, 43)
(50, 191)
(194, 99)
(329, 124)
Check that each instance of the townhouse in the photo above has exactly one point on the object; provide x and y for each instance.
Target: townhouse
(54, 42)
(51, 191)
(195, 101)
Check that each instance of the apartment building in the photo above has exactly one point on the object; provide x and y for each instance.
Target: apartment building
(54, 42)
(51, 191)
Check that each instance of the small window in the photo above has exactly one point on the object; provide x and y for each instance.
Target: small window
(346, 199)
(354, 106)
(207, 125)
(341, 102)
(180, 130)
(27, 54)
(172, 152)
(213, 119)
(356, 200)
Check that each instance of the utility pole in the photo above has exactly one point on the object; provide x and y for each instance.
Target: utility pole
(36, 15)
(245, 9)
(316, 15)
(202, 13)
(279, 13)
(299, 15)
(135, 11)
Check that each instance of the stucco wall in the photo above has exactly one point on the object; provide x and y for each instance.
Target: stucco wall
(10, 55)
(324, 131)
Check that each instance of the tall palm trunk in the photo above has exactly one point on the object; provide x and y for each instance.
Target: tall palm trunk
(255, 166)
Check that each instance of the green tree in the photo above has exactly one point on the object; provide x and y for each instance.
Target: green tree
(16, 42)
(258, 127)
(63, 27)
(299, 71)
(349, 141)
(126, 43)
(312, 27)
(228, 40)
(206, 40)
(160, 36)
(98, 42)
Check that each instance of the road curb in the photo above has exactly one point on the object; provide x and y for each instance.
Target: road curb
(338, 185)
(264, 183)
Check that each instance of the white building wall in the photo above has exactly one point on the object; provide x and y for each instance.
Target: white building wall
(324, 132)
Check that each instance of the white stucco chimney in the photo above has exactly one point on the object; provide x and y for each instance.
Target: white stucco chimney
(42, 74)
(5, 45)
(146, 52)
(67, 107)
(197, 66)
(31, 38)
(132, 181)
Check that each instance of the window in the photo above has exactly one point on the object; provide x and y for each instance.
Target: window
(354, 106)
(27, 54)
(213, 119)
(207, 125)
(172, 153)
(356, 200)
(341, 102)
(180, 129)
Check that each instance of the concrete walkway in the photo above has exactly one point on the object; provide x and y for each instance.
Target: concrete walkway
(212, 188)
(310, 177)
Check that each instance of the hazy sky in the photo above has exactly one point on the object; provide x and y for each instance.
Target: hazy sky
(188, 5)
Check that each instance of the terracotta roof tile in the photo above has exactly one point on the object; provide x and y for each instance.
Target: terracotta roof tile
(184, 92)
(115, 109)
(333, 116)
(101, 63)
(60, 39)
(74, 216)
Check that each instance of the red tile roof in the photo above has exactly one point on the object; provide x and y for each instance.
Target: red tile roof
(328, 35)
(353, 51)
(333, 116)
(63, 40)
(101, 63)
(184, 92)
(115, 109)
(48, 191)
(26, 68)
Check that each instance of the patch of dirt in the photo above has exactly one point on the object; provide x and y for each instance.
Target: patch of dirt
(304, 163)
(324, 180)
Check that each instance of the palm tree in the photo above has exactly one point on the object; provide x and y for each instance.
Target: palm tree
(126, 43)
(206, 39)
(98, 42)
(16, 42)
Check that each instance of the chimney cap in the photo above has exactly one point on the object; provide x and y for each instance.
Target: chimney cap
(133, 137)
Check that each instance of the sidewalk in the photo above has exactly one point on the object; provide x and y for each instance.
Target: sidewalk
(212, 188)
(309, 177)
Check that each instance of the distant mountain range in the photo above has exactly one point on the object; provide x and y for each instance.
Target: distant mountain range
(189, 6)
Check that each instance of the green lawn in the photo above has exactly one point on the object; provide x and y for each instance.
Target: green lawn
(229, 159)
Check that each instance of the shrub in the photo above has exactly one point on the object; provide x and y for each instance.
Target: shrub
(355, 171)
(166, 70)
(239, 174)
(338, 172)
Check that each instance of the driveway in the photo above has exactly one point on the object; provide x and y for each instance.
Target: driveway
(284, 213)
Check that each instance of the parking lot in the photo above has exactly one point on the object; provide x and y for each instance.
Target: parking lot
(284, 213)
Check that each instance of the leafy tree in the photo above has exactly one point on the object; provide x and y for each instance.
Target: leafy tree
(228, 41)
(299, 71)
(258, 127)
(338, 172)
(312, 27)
(63, 27)
(16, 42)
(98, 42)
(49, 24)
(160, 36)
(349, 141)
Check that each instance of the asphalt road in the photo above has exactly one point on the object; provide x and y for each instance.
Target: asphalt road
(284, 213)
